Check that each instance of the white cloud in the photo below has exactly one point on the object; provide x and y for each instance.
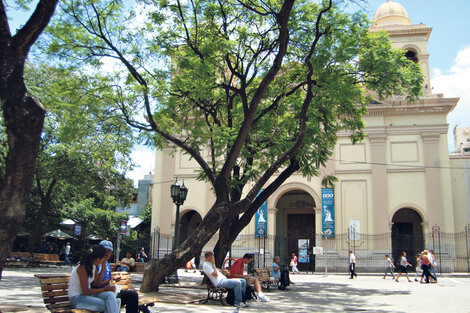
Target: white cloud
(455, 83)
(144, 158)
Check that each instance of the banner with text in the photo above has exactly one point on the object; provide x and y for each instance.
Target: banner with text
(261, 217)
(328, 211)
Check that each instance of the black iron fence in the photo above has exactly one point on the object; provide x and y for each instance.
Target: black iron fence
(452, 250)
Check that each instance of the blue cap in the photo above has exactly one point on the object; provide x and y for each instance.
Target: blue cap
(107, 244)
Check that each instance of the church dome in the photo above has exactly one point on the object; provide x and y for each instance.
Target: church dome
(391, 13)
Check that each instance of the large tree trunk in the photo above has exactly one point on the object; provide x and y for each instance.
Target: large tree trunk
(225, 241)
(234, 226)
(157, 270)
(35, 238)
(24, 125)
(23, 117)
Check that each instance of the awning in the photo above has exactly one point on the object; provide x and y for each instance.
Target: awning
(134, 221)
(67, 222)
(57, 234)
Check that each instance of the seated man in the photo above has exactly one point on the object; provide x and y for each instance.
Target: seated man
(129, 298)
(220, 281)
(237, 269)
(126, 263)
(275, 269)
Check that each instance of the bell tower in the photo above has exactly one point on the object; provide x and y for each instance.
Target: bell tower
(392, 18)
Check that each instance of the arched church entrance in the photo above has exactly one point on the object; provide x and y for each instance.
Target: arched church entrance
(295, 228)
(407, 235)
(188, 223)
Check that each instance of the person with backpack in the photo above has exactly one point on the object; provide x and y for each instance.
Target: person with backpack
(129, 298)
(279, 274)
(237, 271)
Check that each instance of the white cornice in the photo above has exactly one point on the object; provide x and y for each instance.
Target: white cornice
(377, 132)
(404, 30)
(398, 105)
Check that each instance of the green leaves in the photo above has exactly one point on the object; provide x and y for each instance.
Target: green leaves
(193, 72)
(85, 147)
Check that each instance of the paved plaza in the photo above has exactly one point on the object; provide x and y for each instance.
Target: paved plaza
(20, 292)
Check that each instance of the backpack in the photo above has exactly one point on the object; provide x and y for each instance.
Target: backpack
(230, 296)
(285, 280)
(248, 295)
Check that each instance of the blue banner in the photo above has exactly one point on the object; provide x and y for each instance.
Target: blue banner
(328, 211)
(261, 220)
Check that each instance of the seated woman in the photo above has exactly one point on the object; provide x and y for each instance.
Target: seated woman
(81, 292)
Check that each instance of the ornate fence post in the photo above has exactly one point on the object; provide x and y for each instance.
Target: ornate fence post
(439, 247)
(466, 248)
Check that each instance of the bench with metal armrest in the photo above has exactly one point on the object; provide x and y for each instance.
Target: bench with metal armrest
(55, 287)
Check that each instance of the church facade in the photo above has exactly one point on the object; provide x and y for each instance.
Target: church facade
(394, 190)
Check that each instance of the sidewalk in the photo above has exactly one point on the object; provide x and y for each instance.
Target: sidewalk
(20, 292)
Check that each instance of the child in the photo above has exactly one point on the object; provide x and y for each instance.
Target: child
(293, 264)
(389, 267)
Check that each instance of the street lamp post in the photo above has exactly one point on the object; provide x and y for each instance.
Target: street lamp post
(326, 233)
(178, 194)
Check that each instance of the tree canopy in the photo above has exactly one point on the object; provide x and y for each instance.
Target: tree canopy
(84, 151)
(252, 90)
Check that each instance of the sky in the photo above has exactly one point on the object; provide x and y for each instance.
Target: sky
(448, 46)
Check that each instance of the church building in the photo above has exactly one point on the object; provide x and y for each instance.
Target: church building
(397, 190)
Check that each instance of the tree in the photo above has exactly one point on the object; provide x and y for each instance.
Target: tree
(83, 149)
(22, 121)
(261, 87)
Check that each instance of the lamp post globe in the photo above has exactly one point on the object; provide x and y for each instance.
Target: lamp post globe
(178, 194)
(175, 191)
(183, 193)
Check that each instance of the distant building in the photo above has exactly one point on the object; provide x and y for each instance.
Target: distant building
(143, 193)
(462, 140)
(140, 198)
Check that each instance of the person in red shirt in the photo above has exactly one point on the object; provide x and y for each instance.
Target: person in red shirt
(237, 271)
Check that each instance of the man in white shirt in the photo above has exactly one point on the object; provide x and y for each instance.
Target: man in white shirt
(352, 265)
(219, 280)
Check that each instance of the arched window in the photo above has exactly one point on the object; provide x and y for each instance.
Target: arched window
(412, 56)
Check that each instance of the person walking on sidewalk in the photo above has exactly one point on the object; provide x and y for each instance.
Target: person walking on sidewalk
(433, 261)
(293, 264)
(352, 265)
(418, 266)
(403, 264)
(389, 267)
(67, 253)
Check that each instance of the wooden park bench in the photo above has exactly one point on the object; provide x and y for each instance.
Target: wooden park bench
(20, 259)
(137, 268)
(47, 259)
(213, 292)
(264, 277)
(54, 289)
